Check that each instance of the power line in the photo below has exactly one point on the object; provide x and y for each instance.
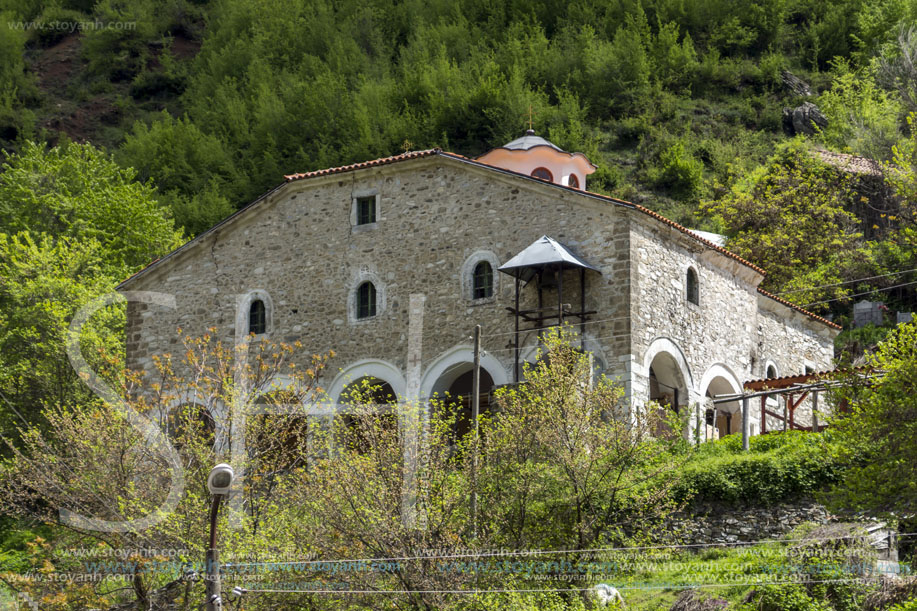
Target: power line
(666, 586)
(859, 294)
(542, 552)
(826, 286)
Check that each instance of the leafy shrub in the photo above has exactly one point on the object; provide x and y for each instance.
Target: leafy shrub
(784, 598)
(778, 467)
(677, 171)
(152, 84)
(56, 23)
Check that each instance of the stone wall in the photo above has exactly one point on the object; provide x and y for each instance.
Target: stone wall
(718, 330)
(710, 523)
(299, 250)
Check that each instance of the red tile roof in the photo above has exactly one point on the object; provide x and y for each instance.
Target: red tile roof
(435, 151)
(798, 309)
(787, 381)
(364, 164)
(850, 163)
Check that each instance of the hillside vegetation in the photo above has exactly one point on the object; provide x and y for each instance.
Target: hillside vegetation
(679, 102)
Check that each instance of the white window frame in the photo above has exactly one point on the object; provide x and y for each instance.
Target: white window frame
(361, 277)
(354, 210)
(243, 310)
(468, 276)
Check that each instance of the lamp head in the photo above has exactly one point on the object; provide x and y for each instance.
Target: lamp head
(220, 479)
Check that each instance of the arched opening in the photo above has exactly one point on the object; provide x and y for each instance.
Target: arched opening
(692, 287)
(454, 390)
(257, 317)
(667, 382)
(482, 281)
(667, 387)
(771, 372)
(573, 181)
(724, 418)
(367, 414)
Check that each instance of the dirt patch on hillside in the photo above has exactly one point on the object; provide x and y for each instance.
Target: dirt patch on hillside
(184, 48)
(56, 65)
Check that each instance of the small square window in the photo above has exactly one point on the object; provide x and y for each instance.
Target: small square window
(366, 210)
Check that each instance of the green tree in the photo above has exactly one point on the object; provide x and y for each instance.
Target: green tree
(789, 215)
(862, 117)
(878, 432)
(77, 191)
(72, 225)
(43, 281)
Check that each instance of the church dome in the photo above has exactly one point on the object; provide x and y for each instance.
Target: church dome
(529, 141)
(537, 157)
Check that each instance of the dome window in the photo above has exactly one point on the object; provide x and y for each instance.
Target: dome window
(543, 174)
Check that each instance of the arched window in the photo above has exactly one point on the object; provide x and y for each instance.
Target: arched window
(543, 174)
(771, 372)
(366, 300)
(693, 288)
(257, 317)
(573, 181)
(482, 281)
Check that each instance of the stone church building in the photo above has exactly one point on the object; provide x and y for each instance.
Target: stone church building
(391, 263)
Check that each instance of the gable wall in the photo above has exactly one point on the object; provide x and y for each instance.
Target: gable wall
(300, 248)
(719, 330)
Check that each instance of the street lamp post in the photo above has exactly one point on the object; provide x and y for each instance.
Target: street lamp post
(218, 482)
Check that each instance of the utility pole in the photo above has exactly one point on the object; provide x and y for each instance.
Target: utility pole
(475, 410)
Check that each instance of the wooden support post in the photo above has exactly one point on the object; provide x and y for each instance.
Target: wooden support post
(815, 412)
(786, 409)
(475, 410)
(763, 414)
(745, 424)
(560, 295)
(582, 309)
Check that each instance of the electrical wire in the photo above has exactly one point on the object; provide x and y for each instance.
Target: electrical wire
(667, 586)
(826, 286)
(536, 552)
(859, 294)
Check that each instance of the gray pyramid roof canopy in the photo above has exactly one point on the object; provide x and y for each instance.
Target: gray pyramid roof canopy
(540, 254)
(529, 141)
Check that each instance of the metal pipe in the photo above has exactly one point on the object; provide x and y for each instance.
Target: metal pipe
(516, 364)
(475, 410)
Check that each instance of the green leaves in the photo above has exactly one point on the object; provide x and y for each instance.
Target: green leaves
(780, 467)
(879, 432)
(789, 215)
(78, 192)
(72, 225)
